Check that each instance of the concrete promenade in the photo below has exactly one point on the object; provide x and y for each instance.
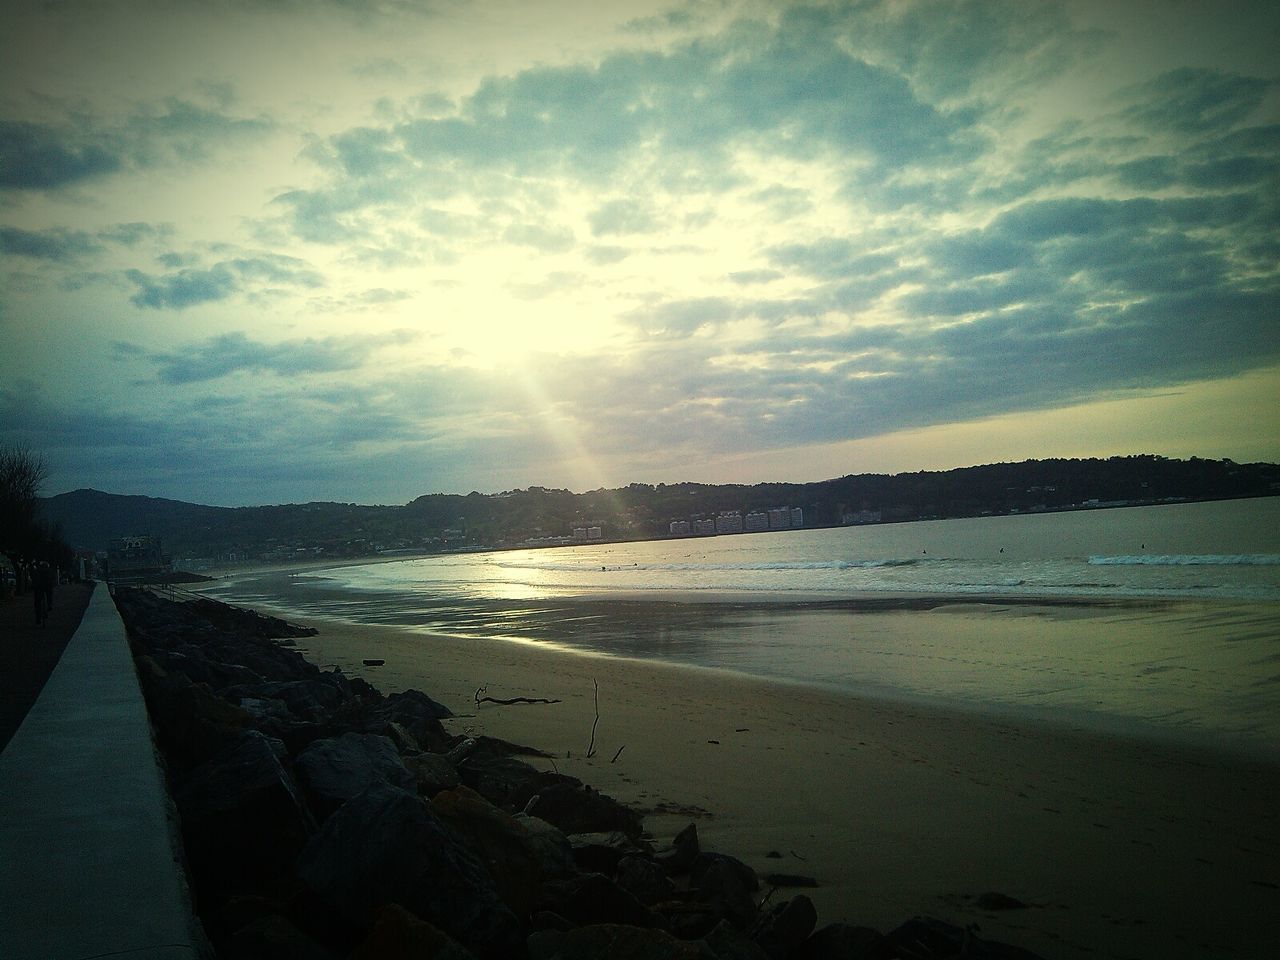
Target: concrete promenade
(87, 851)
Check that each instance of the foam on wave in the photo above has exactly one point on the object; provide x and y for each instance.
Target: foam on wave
(1189, 560)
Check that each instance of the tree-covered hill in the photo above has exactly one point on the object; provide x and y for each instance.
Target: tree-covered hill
(91, 519)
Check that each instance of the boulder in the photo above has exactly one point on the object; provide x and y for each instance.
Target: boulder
(727, 942)
(415, 712)
(727, 886)
(644, 880)
(505, 781)
(724, 865)
(781, 930)
(336, 769)
(578, 809)
(678, 859)
(601, 852)
(432, 772)
(549, 846)
(839, 941)
(931, 939)
(615, 941)
(275, 938)
(315, 698)
(193, 724)
(502, 843)
(405, 741)
(387, 846)
(243, 822)
(593, 898)
(399, 935)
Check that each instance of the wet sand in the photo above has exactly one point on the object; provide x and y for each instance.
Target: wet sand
(1122, 847)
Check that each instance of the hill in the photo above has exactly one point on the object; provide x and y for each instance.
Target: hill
(541, 516)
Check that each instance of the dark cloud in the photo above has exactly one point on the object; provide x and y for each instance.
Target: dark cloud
(234, 352)
(59, 245)
(37, 156)
(182, 289)
(1192, 100)
(190, 286)
(45, 156)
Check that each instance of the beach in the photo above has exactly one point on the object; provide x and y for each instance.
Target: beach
(1120, 846)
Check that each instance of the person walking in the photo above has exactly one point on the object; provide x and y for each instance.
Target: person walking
(42, 580)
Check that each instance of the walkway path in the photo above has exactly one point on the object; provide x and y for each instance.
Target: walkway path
(29, 653)
(87, 849)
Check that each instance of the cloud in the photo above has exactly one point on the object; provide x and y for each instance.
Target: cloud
(36, 156)
(48, 156)
(548, 239)
(622, 217)
(58, 245)
(191, 286)
(230, 353)
(1191, 100)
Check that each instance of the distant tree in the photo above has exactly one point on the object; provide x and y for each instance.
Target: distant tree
(23, 535)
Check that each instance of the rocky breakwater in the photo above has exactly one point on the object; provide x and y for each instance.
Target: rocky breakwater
(323, 819)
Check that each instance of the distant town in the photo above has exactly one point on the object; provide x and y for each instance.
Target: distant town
(134, 532)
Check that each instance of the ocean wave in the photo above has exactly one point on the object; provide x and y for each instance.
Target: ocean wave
(573, 567)
(1190, 560)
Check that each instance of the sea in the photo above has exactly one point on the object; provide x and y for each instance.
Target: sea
(1160, 620)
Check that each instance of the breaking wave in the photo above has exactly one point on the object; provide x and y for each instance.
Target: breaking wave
(761, 565)
(1190, 560)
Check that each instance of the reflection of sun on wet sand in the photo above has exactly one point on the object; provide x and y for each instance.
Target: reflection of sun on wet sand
(1120, 847)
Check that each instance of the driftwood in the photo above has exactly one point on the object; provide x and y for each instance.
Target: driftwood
(479, 698)
(591, 748)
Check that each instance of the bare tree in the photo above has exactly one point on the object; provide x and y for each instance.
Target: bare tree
(21, 475)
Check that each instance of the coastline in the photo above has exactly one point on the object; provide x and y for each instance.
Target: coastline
(1123, 847)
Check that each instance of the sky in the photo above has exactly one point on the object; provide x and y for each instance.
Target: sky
(362, 250)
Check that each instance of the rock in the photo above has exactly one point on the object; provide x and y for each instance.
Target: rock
(193, 724)
(593, 898)
(200, 669)
(781, 930)
(550, 847)
(998, 901)
(601, 852)
(726, 885)
(315, 698)
(505, 781)
(678, 859)
(615, 941)
(502, 843)
(578, 809)
(387, 846)
(243, 822)
(405, 741)
(931, 939)
(727, 942)
(399, 935)
(839, 941)
(336, 769)
(789, 880)
(275, 938)
(432, 772)
(415, 712)
(706, 861)
(644, 880)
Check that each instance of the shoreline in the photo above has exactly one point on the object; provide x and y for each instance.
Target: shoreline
(1122, 846)
(983, 632)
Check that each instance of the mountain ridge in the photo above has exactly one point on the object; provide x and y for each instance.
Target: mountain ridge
(439, 521)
